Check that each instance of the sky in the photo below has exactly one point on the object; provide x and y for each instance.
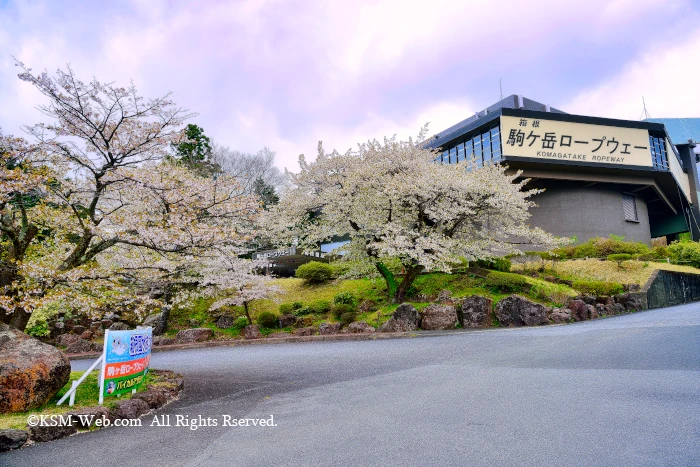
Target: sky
(287, 74)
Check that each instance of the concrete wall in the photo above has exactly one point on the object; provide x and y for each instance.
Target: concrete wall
(668, 288)
(586, 212)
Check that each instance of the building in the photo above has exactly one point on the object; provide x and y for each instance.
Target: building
(601, 176)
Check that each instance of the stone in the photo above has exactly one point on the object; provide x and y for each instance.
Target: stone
(601, 309)
(515, 310)
(67, 339)
(304, 322)
(328, 328)
(633, 304)
(97, 332)
(79, 346)
(31, 372)
(252, 331)
(475, 312)
(158, 321)
(435, 317)
(111, 316)
(592, 312)
(78, 329)
(407, 312)
(560, 315)
(58, 329)
(167, 340)
(12, 439)
(224, 322)
(94, 325)
(309, 331)
(287, 320)
(85, 418)
(87, 335)
(154, 397)
(41, 434)
(618, 309)
(445, 297)
(130, 408)
(579, 310)
(106, 323)
(360, 327)
(194, 335)
(118, 326)
(589, 299)
(396, 325)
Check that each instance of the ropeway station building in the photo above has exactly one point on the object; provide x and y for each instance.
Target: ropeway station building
(601, 176)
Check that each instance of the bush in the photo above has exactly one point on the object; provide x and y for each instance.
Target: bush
(339, 309)
(686, 253)
(320, 306)
(348, 318)
(345, 298)
(286, 308)
(620, 258)
(506, 282)
(597, 288)
(305, 310)
(602, 247)
(39, 330)
(240, 323)
(497, 264)
(297, 306)
(267, 319)
(315, 272)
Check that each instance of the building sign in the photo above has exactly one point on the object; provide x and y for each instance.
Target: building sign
(269, 254)
(126, 358)
(554, 140)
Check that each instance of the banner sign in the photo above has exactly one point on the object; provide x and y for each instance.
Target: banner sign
(126, 357)
(552, 139)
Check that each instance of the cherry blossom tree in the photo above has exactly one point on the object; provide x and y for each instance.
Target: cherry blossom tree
(393, 200)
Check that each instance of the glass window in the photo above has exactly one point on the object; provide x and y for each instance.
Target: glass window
(445, 157)
(477, 151)
(629, 207)
(486, 145)
(468, 152)
(453, 156)
(460, 152)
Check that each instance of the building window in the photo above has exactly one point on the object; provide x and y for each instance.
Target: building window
(629, 206)
(659, 157)
(479, 149)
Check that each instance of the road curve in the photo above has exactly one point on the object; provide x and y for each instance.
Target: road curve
(617, 391)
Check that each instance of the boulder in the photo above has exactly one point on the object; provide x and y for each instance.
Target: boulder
(194, 335)
(118, 326)
(80, 346)
(252, 331)
(560, 315)
(592, 312)
(167, 341)
(31, 372)
(407, 312)
(94, 326)
(86, 417)
(158, 321)
(78, 329)
(515, 310)
(224, 322)
(436, 317)
(308, 331)
(396, 325)
(130, 408)
(328, 328)
(360, 327)
(589, 299)
(12, 439)
(445, 297)
(67, 339)
(633, 304)
(111, 316)
(58, 329)
(41, 434)
(475, 311)
(287, 320)
(87, 335)
(618, 309)
(106, 323)
(601, 309)
(154, 397)
(579, 310)
(304, 322)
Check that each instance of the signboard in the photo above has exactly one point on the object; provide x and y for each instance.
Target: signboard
(554, 140)
(275, 253)
(126, 358)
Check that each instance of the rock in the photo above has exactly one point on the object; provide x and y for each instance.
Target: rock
(12, 439)
(438, 317)
(309, 331)
(194, 335)
(618, 309)
(111, 316)
(87, 335)
(67, 339)
(106, 323)
(41, 434)
(475, 311)
(589, 299)
(79, 346)
(94, 326)
(287, 320)
(592, 312)
(366, 306)
(360, 327)
(78, 329)
(158, 321)
(601, 309)
(579, 310)
(252, 331)
(304, 322)
(328, 328)
(167, 340)
(445, 297)
(31, 372)
(560, 315)
(58, 329)
(224, 322)
(97, 332)
(633, 304)
(154, 397)
(605, 300)
(130, 408)
(85, 418)
(118, 327)
(396, 325)
(515, 310)
(407, 312)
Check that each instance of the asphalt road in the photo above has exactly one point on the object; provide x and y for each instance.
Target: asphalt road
(618, 391)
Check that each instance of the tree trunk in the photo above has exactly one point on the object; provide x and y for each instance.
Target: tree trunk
(391, 284)
(411, 274)
(247, 315)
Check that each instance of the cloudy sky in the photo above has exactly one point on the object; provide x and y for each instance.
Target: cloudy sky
(287, 74)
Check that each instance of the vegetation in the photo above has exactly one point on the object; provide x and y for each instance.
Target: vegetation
(345, 298)
(506, 282)
(598, 288)
(685, 252)
(267, 319)
(314, 272)
(601, 247)
(619, 258)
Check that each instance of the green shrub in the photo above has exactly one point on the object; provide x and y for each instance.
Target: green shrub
(345, 298)
(348, 318)
(297, 306)
(286, 308)
(320, 306)
(240, 323)
(506, 282)
(686, 253)
(339, 309)
(267, 319)
(39, 330)
(597, 288)
(602, 247)
(315, 272)
(497, 264)
(619, 258)
(305, 310)
(661, 252)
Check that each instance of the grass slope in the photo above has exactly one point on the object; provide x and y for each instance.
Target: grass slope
(632, 272)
